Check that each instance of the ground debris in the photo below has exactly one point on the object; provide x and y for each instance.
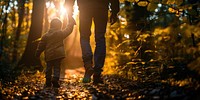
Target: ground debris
(114, 88)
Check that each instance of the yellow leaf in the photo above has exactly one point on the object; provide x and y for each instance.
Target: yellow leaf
(114, 35)
(166, 38)
(159, 38)
(26, 5)
(131, 0)
(127, 53)
(37, 40)
(152, 6)
(178, 2)
(154, 1)
(171, 10)
(30, 5)
(148, 51)
(136, 0)
(143, 3)
(171, 2)
(164, 1)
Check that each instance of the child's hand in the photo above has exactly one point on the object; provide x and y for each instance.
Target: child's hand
(113, 18)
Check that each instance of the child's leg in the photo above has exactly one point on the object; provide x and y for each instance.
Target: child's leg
(48, 73)
(56, 76)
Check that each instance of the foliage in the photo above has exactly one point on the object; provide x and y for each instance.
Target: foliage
(157, 42)
(9, 22)
(151, 35)
(12, 22)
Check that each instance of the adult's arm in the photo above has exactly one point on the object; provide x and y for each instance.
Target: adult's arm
(114, 10)
(114, 6)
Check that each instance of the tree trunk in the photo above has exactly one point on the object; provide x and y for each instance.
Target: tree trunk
(28, 58)
(46, 21)
(4, 30)
(1, 11)
(17, 35)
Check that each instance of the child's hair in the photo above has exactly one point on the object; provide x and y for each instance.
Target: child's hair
(56, 23)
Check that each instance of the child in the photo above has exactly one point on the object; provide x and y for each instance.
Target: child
(52, 45)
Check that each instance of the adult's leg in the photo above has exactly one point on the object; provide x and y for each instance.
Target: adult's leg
(100, 20)
(85, 32)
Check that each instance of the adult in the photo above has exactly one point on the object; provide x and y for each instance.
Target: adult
(96, 11)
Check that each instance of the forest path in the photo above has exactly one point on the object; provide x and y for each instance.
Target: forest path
(29, 86)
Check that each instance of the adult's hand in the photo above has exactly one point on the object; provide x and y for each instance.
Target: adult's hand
(113, 18)
(37, 56)
(71, 20)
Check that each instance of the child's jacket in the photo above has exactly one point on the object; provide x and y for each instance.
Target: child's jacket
(52, 43)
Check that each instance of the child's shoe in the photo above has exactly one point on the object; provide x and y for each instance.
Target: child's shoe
(48, 84)
(55, 83)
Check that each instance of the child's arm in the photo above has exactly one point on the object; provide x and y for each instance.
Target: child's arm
(69, 28)
(41, 47)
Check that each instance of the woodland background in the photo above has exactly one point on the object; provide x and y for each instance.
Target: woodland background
(153, 39)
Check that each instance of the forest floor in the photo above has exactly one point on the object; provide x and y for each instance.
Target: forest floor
(29, 86)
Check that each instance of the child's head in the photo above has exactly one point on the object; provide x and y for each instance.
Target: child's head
(56, 23)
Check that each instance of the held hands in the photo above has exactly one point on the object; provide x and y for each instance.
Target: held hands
(113, 18)
(71, 21)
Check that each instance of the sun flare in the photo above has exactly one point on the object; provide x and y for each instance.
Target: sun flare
(57, 9)
(62, 10)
